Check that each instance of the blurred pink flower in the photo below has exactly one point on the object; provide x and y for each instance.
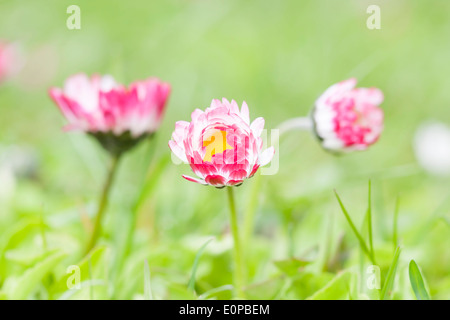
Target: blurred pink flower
(221, 145)
(10, 60)
(348, 118)
(100, 106)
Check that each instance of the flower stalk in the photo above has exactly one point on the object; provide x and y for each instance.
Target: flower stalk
(302, 124)
(238, 274)
(103, 202)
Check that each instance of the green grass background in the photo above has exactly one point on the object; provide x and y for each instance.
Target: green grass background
(278, 56)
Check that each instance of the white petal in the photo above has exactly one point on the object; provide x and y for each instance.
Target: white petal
(245, 113)
(257, 126)
(266, 156)
(178, 151)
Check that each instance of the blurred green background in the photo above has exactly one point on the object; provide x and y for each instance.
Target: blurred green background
(278, 56)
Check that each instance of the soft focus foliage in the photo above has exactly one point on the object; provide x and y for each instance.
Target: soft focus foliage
(278, 56)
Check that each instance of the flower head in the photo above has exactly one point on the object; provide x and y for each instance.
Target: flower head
(348, 118)
(116, 115)
(10, 60)
(220, 144)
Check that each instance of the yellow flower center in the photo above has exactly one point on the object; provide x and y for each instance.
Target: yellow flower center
(215, 141)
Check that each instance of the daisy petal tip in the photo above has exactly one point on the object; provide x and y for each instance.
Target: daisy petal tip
(188, 178)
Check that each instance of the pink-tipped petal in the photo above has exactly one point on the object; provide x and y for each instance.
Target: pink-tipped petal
(215, 180)
(194, 179)
(238, 174)
(196, 114)
(234, 182)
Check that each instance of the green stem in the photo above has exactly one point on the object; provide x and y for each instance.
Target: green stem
(303, 123)
(103, 202)
(238, 266)
(249, 216)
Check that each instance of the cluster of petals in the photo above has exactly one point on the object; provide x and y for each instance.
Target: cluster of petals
(99, 104)
(348, 118)
(220, 144)
(9, 60)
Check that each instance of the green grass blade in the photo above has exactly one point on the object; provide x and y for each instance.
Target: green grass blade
(91, 288)
(207, 294)
(191, 284)
(151, 182)
(395, 226)
(42, 228)
(417, 283)
(337, 289)
(362, 243)
(147, 283)
(148, 186)
(389, 282)
(369, 221)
